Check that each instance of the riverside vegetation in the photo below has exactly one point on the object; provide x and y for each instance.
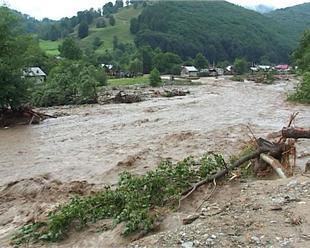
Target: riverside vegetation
(138, 201)
(302, 58)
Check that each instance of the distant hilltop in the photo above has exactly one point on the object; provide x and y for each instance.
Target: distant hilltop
(261, 8)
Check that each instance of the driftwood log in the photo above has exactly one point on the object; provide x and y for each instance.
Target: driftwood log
(23, 115)
(274, 163)
(267, 151)
(296, 133)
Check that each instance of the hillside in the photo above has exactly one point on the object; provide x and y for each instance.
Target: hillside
(106, 34)
(294, 19)
(221, 30)
(120, 29)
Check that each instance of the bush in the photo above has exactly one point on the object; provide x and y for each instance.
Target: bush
(101, 77)
(155, 79)
(69, 83)
(69, 49)
(83, 30)
(302, 93)
(241, 66)
(97, 42)
(112, 20)
(101, 23)
(137, 201)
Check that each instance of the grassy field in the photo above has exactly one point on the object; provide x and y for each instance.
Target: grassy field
(50, 47)
(121, 29)
(128, 81)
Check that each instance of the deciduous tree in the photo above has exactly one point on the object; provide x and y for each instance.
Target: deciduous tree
(241, 66)
(83, 30)
(69, 49)
(155, 78)
(112, 20)
(200, 61)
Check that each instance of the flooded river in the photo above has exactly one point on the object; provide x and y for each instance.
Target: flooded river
(94, 143)
(44, 163)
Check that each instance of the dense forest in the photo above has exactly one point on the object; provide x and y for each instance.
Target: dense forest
(220, 30)
(293, 19)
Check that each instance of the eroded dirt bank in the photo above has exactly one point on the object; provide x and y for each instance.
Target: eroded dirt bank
(94, 143)
(245, 214)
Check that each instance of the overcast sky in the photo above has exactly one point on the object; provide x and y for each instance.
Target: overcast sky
(55, 9)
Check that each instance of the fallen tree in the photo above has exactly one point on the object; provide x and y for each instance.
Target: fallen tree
(269, 152)
(22, 116)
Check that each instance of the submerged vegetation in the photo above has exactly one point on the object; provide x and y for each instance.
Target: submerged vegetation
(137, 201)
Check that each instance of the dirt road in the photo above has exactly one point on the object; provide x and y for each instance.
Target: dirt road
(95, 143)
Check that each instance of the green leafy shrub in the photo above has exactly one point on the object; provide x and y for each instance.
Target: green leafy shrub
(302, 93)
(136, 201)
(70, 83)
(210, 164)
(155, 79)
(302, 59)
(245, 170)
(241, 66)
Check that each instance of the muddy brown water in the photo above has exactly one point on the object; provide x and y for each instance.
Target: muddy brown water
(96, 142)
(90, 142)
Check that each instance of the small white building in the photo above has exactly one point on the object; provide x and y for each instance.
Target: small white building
(36, 73)
(189, 71)
(257, 68)
(264, 67)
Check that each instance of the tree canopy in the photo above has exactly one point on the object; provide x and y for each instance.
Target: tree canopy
(83, 30)
(69, 49)
(201, 61)
(302, 59)
(302, 53)
(218, 29)
(15, 51)
(241, 66)
(155, 78)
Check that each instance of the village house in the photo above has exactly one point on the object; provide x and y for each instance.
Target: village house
(189, 71)
(282, 67)
(257, 68)
(36, 73)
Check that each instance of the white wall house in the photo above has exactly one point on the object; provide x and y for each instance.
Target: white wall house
(189, 71)
(36, 73)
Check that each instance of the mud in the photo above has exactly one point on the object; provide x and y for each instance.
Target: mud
(244, 214)
(94, 143)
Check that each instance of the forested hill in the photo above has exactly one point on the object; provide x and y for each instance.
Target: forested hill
(221, 30)
(293, 19)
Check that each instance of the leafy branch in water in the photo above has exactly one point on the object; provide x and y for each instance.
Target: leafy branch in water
(136, 201)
